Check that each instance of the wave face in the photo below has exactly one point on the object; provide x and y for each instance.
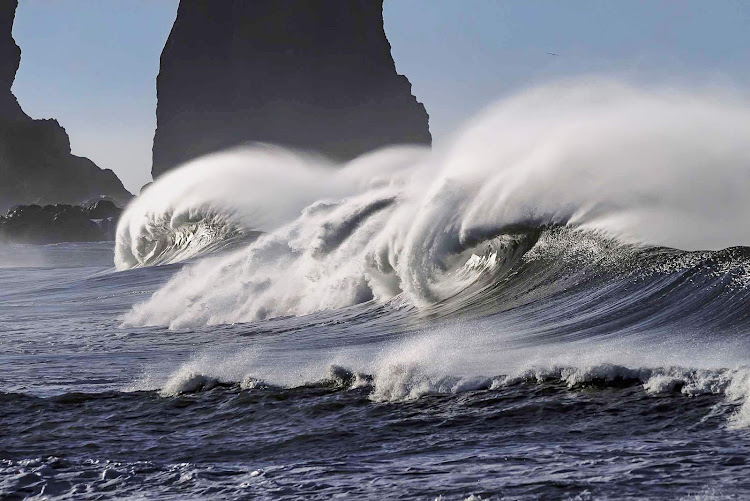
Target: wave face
(192, 210)
(645, 168)
(586, 233)
(555, 306)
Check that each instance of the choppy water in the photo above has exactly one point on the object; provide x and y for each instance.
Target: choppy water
(78, 418)
(510, 317)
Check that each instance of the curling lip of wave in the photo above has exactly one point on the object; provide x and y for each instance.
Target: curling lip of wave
(644, 166)
(245, 191)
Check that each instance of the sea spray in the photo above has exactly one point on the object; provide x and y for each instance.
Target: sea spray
(649, 167)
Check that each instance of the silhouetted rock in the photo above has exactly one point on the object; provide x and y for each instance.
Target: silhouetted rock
(10, 58)
(102, 209)
(36, 165)
(312, 74)
(60, 223)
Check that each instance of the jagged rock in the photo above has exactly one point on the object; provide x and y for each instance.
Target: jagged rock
(312, 74)
(10, 58)
(36, 165)
(103, 209)
(60, 223)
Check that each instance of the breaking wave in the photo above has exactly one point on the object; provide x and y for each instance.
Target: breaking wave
(642, 168)
(193, 209)
(399, 382)
(589, 233)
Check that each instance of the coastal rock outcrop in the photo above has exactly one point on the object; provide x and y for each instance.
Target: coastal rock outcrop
(315, 75)
(60, 223)
(36, 164)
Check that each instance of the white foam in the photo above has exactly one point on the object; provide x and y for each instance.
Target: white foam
(478, 356)
(622, 164)
(739, 392)
(649, 166)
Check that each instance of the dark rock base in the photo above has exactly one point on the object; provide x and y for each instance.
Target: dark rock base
(50, 224)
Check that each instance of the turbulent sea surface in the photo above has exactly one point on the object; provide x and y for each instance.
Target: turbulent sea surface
(530, 314)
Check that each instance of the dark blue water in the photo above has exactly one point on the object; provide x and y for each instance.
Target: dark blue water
(548, 379)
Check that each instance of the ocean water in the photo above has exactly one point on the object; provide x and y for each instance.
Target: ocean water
(553, 307)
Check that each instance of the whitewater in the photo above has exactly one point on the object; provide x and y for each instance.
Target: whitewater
(553, 304)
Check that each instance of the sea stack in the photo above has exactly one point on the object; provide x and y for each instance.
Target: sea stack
(36, 165)
(315, 75)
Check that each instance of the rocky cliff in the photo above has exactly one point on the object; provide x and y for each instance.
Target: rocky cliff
(50, 224)
(311, 74)
(36, 165)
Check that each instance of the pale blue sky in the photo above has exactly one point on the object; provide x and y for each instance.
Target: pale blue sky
(92, 64)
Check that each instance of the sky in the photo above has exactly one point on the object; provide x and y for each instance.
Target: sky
(92, 64)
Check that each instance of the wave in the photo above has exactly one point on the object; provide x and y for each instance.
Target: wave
(644, 167)
(403, 382)
(589, 232)
(192, 210)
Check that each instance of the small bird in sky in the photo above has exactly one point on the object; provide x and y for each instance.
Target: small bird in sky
(552, 54)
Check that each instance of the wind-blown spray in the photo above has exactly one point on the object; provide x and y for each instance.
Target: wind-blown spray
(647, 167)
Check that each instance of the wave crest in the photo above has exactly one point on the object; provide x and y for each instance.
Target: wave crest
(630, 166)
(403, 382)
